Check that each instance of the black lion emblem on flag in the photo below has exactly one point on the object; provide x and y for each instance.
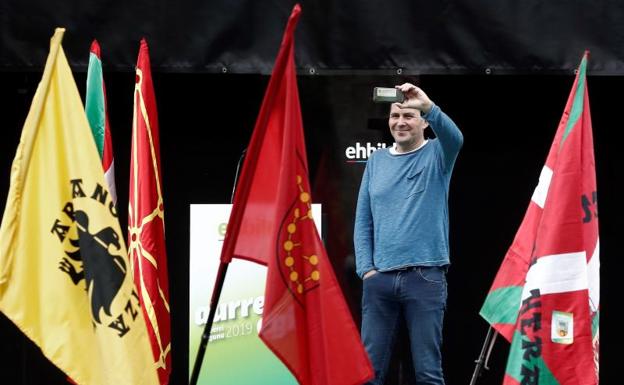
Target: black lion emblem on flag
(103, 272)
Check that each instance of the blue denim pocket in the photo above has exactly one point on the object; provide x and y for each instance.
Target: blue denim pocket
(433, 274)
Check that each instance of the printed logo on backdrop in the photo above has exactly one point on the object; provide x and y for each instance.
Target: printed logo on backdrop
(240, 315)
(359, 152)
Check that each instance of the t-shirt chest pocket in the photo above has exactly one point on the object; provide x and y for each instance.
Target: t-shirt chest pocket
(416, 181)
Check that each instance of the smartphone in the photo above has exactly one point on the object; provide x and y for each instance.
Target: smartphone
(387, 95)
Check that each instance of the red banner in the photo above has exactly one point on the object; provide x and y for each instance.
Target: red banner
(306, 321)
(146, 227)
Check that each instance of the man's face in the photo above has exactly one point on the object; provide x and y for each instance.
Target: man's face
(406, 126)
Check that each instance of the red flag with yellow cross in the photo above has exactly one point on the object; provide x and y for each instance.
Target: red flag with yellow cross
(146, 226)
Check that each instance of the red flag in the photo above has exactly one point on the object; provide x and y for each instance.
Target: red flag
(545, 298)
(306, 321)
(146, 226)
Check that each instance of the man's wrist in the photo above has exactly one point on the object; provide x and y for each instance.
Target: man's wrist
(427, 107)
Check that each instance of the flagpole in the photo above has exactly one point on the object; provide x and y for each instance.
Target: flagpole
(216, 294)
(484, 356)
(214, 301)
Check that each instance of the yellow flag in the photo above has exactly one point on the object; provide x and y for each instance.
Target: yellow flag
(64, 272)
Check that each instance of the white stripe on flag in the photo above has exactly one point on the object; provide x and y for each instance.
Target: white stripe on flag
(541, 191)
(593, 274)
(109, 175)
(557, 273)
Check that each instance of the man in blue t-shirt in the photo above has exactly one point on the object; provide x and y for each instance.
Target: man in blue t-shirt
(401, 235)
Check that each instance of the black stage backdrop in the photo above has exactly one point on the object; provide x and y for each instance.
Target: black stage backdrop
(334, 36)
(206, 121)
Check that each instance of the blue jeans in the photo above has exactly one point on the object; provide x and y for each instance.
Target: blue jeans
(419, 295)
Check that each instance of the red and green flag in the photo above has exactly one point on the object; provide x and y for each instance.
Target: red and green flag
(146, 218)
(545, 298)
(306, 321)
(97, 115)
